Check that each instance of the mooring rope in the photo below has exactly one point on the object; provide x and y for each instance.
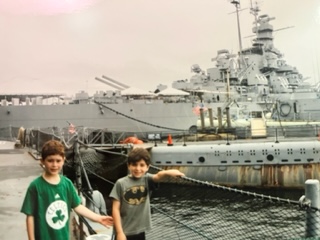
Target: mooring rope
(98, 176)
(140, 121)
(101, 150)
(253, 194)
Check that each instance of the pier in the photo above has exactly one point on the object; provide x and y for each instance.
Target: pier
(17, 169)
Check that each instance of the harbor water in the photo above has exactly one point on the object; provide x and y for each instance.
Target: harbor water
(191, 212)
(198, 213)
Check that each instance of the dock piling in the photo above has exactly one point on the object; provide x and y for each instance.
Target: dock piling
(312, 216)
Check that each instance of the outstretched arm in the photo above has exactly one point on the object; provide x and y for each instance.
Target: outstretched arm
(83, 211)
(165, 173)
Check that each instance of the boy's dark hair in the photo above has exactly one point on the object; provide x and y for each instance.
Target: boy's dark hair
(137, 154)
(52, 147)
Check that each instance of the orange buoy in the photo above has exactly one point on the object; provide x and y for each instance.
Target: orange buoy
(133, 140)
(170, 143)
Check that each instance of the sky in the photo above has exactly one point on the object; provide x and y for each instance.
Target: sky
(49, 46)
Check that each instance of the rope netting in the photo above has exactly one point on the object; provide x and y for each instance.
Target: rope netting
(9, 133)
(189, 209)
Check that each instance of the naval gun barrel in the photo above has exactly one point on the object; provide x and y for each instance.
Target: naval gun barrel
(116, 82)
(108, 83)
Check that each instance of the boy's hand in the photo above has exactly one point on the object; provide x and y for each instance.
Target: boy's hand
(106, 221)
(179, 174)
(161, 175)
(175, 173)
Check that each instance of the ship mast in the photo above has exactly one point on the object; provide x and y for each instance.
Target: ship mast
(236, 3)
(254, 10)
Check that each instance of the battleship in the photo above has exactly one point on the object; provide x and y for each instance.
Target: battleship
(256, 79)
(127, 109)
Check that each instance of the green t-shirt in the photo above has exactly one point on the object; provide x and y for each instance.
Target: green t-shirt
(50, 205)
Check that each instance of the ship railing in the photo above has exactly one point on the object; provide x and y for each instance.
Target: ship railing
(9, 133)
(35, 138)
(243, 130)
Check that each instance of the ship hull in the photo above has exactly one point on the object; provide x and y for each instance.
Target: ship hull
(274, 176)
(124, 117)
(286, 164)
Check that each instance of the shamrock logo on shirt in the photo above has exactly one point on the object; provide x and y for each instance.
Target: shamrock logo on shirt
(59, 217)
(57, 214)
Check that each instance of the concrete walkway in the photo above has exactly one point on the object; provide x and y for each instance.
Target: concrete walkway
(17, 170)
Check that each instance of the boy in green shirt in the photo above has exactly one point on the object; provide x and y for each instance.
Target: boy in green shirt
(50, 198)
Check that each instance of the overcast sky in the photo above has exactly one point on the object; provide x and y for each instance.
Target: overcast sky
(61, 46)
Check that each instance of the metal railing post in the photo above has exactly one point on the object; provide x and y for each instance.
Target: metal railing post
(38, 140)
(312, 215)
(78, 181)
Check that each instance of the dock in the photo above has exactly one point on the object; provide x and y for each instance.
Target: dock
(17, 169)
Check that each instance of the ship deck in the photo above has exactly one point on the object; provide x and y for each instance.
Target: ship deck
(205, 139)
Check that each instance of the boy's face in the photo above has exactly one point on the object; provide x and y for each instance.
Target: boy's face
(138, 169)
(53, 164)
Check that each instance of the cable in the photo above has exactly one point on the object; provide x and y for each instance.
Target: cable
(137, 120)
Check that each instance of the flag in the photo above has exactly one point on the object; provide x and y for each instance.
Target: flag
(72, 128)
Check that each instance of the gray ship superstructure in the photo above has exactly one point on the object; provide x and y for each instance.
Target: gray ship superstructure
(257, 78)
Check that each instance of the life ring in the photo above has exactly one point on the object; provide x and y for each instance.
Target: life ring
(285, 109)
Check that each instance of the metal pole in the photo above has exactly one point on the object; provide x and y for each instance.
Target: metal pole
(312, 216)
(239, 35)
(202, 119)
(228, 117)
(219, 117)
(228, 86)
(78, 181)
(277, 135)
(236, 3)
(10, 133)
(38, 141)
(210, 117)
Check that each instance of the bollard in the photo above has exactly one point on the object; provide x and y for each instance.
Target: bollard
(228, 117)
(219, 118)
(202, 119)
(312, 216)
(210, 117)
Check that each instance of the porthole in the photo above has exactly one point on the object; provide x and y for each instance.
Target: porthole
(270, 157)
(202, 159)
